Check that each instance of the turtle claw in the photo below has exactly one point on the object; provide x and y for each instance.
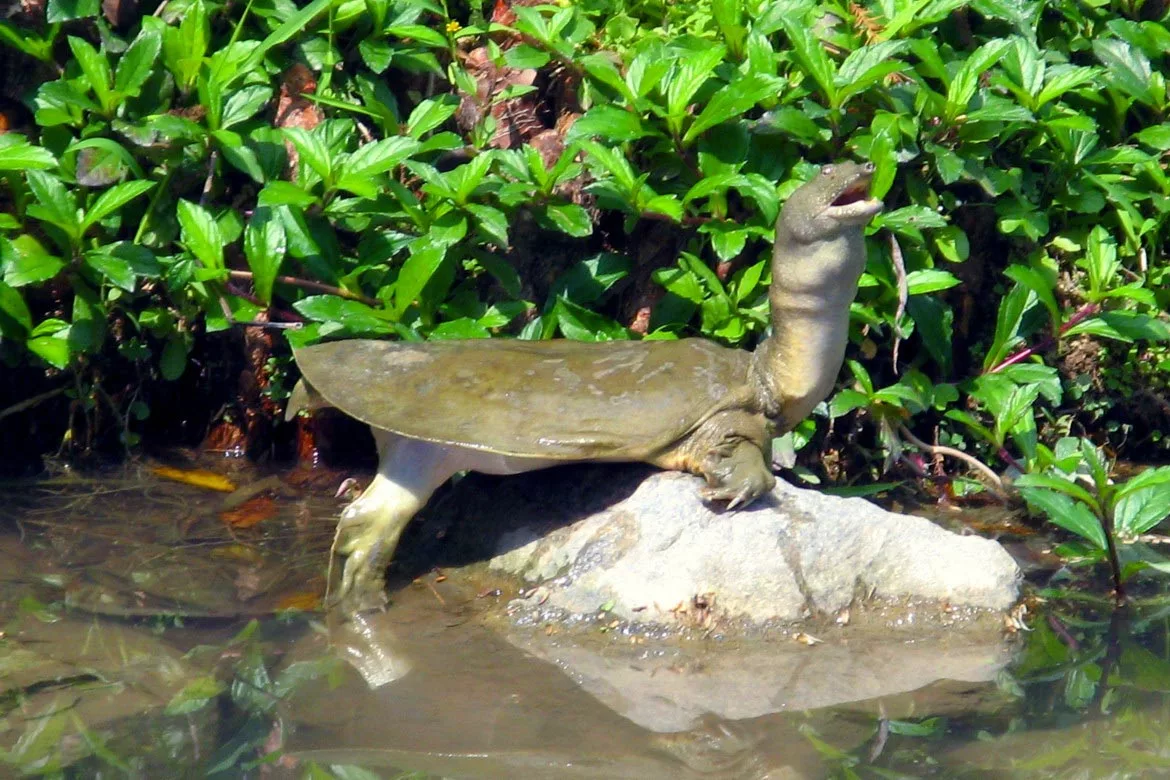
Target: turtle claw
(365, 540)
(742, 497)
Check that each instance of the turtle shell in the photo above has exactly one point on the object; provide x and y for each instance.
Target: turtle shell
(559, 400)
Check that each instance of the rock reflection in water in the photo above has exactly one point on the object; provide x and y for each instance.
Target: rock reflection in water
(474, 705)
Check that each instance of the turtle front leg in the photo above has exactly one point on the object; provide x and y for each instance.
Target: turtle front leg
(738, 474)
(367, 534)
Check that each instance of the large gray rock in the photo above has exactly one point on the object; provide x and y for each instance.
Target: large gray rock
(791, 554)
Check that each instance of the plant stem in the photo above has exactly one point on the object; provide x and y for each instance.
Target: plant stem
(28, 403)
(936, 449)
(1114, 561)
(1083, 313)
(308, 284)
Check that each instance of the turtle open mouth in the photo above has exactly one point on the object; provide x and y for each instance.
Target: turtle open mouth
(854, 193)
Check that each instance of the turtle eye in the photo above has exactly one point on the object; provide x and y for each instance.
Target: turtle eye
(827, 170)
(869, 167)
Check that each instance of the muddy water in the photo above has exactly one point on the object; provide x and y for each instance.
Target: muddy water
(162, 629)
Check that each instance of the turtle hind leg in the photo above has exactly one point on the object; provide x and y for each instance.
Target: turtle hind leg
(737, 473)
(409, 471)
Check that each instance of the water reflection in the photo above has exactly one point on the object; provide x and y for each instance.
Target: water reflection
(126, 647)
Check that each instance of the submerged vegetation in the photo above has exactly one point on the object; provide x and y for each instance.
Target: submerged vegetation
(176, 188)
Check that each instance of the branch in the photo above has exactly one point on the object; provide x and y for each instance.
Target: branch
(936, 449)
(1083, 313)
(899, 264)
(308, 284)
(28, 403)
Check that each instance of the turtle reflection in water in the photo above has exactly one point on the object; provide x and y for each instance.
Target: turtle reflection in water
(508, 406)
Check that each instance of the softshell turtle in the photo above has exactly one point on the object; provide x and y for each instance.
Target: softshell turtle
(507, 406)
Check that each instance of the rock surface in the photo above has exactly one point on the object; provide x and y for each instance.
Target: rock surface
(791, 554)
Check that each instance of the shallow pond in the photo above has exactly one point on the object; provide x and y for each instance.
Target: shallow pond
(152, 627)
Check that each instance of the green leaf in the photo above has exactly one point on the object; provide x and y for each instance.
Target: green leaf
(1141, 510)
(113, 199)
(792, 122)
(114, 156)
(729, 16)
(728, 242)
(1156, 136)
(1061, 485)
(312, 149)
(25, 261)
(376, 53)
(1124, 326)
(1151, 477)
(238, 154)
(966, 80)
(96, 69)
(665, 204)
(689, 74)
(462, 328)
(1035, 281)
(845, 401)
(15, 318)
(570, 218)
(1066, 513)
(196, 694)
(928, 280)
(55, 204)
(616, 165)
(469, 176)
(294, 25)
(934, 324)
(581, 324)
(504, 273)
(429, 114)
(113, 269)
(355, 316)
(17, 154)
(67, 10)
(811, 55)
(201, 234)
(867, 66)
(589, 279)
(492, 221)
(357, 169)
(418, 33)
(611, 123)
(523, 57)
(424, 261)
(1063, 78)
(284, 193)
(969, 420)
(1007, 325)
(732, 101)
(918, 13)
(264, 248)
(54, 350)
(137, 63)
(1126, 66)
(601, 68)
(243, 104)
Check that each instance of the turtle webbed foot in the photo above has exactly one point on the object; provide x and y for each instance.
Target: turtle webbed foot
(739, 477)
(362, 584)
(367, 534)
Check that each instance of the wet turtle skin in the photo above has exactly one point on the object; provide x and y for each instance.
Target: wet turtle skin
(505, 406)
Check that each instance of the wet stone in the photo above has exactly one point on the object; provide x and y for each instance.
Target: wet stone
(659, 554)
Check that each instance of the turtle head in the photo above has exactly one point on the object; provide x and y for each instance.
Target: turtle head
(836, 200)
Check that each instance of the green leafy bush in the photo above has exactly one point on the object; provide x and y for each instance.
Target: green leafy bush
(610, 170)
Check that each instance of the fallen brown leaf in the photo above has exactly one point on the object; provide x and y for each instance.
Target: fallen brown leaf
(251, 512)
